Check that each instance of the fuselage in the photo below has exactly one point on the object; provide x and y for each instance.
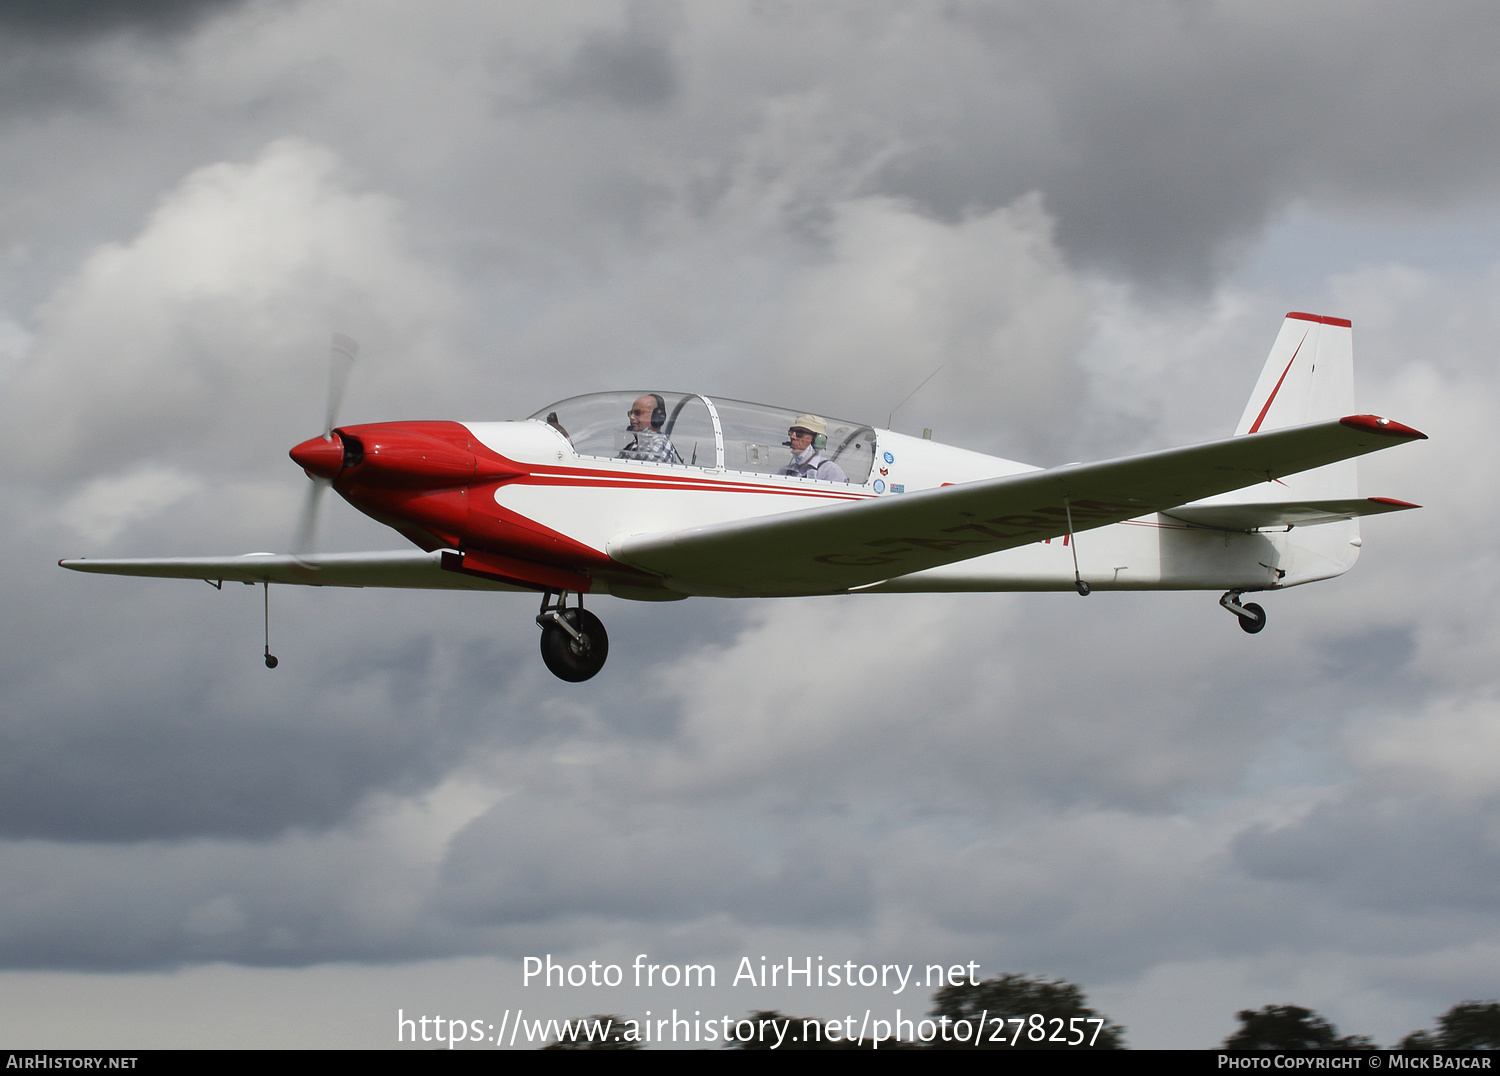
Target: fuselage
(543, 501)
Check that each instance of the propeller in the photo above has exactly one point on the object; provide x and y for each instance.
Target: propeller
(341, 353)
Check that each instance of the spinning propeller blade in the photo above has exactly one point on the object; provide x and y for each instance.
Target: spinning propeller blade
(307, 525)
(341, 353)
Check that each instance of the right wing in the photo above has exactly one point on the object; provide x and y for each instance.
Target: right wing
(846, 546)
(411, 569)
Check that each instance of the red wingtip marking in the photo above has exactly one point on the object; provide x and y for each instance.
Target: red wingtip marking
(1320, 319)
(1383, 426)
(1393, 501)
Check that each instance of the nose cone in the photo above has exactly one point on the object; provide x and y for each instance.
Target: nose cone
(320, 456)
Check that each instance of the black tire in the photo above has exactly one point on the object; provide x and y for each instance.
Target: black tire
(1253, 619)
(565, 658)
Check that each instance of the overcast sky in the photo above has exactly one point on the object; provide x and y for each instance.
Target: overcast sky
(1093, 216)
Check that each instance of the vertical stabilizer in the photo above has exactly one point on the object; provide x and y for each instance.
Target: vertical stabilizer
(1308, 377)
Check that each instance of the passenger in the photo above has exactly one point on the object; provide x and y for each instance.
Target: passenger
(647, 415)
(808, 434)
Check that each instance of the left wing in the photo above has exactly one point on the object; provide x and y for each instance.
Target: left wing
(846, 546)
(402, 568)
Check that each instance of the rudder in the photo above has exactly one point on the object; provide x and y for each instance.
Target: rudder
(1308, 377)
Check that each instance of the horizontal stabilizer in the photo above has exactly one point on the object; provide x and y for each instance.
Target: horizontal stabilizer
(408, 569)
(1249, 517)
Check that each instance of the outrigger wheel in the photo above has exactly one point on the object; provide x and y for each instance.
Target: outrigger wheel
(574, 642)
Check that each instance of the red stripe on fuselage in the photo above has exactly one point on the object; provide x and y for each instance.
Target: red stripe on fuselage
(613, 480)
(470, 517)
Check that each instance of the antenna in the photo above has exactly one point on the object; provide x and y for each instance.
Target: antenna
(910, 394)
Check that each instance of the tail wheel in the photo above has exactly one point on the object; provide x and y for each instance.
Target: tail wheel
(571, 659)
(1253, 619)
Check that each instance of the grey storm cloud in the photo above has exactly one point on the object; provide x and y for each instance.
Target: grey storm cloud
(164, 759)
(1165, 131)
(1404, 853)
(45, 62)
(540, 858)
(630, 67)
(78, 19)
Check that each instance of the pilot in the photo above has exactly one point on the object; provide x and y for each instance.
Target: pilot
(808, 434)
(647, 415)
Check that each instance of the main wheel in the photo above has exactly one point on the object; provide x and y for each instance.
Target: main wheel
(566, 657)
(1253, 619)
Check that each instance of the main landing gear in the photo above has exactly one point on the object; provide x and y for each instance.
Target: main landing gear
(574, 642)
(1252, 617)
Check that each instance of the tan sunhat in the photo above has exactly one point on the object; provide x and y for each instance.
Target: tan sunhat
(810, 423)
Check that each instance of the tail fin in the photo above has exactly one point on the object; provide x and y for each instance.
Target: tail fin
(1308, 377)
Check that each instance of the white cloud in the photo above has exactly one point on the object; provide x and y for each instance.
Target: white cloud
(1451, 749)
(213, 322)
(988, 300)
(105, 506)
(15, 346)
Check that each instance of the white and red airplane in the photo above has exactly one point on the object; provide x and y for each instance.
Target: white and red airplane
(592, 495)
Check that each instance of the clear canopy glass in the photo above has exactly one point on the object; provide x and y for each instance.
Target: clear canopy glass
(688, 430)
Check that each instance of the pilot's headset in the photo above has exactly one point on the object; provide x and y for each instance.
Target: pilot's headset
(658, 411)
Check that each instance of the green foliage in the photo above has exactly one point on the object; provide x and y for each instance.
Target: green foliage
(1290, 1027)
(1469, 1025)
(1020, 996)
(579, 1039)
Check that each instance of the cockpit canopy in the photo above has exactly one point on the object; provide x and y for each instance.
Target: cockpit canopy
(699, 431)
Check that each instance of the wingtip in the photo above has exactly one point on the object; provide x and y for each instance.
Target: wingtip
(1384, 426)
